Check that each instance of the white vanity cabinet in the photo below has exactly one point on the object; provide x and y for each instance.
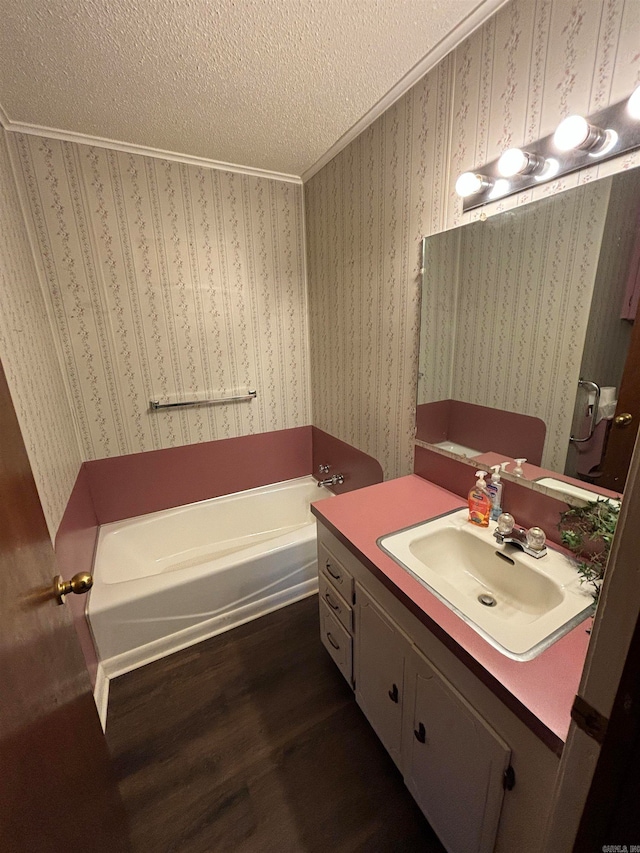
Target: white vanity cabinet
(379, 672)
(453, 762)
(335, 592)
(481, 776)
(451, 759)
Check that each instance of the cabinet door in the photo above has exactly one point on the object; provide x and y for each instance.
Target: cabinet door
(454, 763)
(380, 650)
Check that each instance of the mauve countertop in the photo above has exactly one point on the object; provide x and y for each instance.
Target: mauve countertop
(540, 691)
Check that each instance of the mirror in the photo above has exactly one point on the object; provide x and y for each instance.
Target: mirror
(516, 311)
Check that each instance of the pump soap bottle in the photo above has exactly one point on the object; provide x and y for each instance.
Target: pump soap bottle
(494, 490)
(479, 502)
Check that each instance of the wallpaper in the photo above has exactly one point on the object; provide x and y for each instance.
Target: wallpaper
(608, 336)
(526, 279)
(438, 315)
(365, 213)
(530, 65)
(29, 358)
(168, 282)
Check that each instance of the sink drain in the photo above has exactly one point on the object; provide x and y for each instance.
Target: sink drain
(487, 600)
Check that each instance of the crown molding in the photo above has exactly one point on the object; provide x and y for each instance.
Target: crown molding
(143, 150)
(482, 12)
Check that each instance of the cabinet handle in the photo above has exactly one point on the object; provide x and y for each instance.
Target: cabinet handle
(333, 606)
(509, 779)
(332, 641)
(393, 694)
(420, 733)
(335, 577)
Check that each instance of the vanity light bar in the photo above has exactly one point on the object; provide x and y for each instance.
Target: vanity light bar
(577, 143)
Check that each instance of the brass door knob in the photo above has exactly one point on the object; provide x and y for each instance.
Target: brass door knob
(623, 420)
(80, 583)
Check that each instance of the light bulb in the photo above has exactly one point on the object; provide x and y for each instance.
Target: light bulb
(469, 183)
(633, 105)
(512, 162)
(571, 133)
(518, 162)
(576, 132)
(500, 188)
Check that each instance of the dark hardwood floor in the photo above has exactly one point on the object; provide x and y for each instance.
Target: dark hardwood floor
(252, 742)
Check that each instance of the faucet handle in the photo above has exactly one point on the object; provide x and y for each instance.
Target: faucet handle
(324, 469)
(536, 538)
(506, 523)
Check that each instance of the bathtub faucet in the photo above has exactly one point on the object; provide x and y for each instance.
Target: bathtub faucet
(334, 480)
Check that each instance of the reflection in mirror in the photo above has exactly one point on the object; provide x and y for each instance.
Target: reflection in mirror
(516, 311)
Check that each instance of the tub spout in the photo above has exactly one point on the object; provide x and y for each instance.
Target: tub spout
(334, 480)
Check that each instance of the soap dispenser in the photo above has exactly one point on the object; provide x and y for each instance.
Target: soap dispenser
(494, 490)
(479, 502)
(518, 469)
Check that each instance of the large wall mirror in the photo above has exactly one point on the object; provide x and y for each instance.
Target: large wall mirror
(528, 346)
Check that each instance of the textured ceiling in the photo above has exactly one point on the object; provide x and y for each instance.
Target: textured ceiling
(268, 84)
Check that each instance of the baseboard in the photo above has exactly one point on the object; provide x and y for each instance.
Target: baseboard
(130, 660)
(101, 695)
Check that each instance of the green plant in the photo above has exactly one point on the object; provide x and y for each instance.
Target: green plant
(588, 532)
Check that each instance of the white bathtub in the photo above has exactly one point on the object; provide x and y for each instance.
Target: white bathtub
(169, 579)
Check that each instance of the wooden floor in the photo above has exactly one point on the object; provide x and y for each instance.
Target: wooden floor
(252, 742)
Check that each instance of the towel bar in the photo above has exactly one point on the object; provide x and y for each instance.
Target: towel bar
(154, 405)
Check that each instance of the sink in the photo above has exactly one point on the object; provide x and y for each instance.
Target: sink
(574, 491)
(519, 604)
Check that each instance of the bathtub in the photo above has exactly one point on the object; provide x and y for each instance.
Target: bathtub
(166, 580)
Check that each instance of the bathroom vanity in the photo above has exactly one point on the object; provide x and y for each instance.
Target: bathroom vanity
(476, 735)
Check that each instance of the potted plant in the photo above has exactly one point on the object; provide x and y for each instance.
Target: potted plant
(588, 532)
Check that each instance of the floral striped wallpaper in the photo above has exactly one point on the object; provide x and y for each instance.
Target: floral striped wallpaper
(171, 282)
(510, 305)
(166, 281)
(531, 64)
(608, 336)
(28, 354)
(438, 315)
(526, 280)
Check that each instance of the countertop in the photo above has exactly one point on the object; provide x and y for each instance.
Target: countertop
(540, 691)
(534, 472)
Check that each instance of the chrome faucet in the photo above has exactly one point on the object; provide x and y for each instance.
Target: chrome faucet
(530, 541)
(333, 480)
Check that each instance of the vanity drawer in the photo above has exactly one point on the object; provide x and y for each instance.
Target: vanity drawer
(336, 603)
(335, 573)
(337, 641)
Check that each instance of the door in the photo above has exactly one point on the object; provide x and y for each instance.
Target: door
(602, 735)
(57, 789)
(380, 650)
(622, 435)
(454, 762)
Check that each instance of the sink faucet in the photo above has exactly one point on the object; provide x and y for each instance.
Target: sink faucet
(530, 541)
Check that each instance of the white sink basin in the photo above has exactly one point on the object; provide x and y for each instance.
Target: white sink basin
(574, 491)
(528, 603)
